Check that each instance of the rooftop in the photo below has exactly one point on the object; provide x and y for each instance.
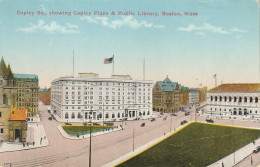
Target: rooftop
(18, 115)
(26, 76)
(167, 85)
(237, 87)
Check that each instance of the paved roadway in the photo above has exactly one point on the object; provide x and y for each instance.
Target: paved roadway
(105, 148)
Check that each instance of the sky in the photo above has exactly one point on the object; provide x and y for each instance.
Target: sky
(221, 37)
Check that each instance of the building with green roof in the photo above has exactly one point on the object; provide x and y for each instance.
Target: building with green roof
(168, 96)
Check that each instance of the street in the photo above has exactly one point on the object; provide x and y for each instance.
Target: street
(105, 148)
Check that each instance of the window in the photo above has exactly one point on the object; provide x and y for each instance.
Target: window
(216, 98)
(4, 99)
(240, 99)
(2, 130)
(245, 99)
(235, 99)
(251, 99)
(256, 100)
(230, 98)
(72, 116)
(0, 114)
(66, 116)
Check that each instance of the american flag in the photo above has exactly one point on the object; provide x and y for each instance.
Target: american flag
(108, 60)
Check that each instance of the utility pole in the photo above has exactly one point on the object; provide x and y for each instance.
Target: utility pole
(133, 140)
(90, 138)
(171, 124)
(103, 115)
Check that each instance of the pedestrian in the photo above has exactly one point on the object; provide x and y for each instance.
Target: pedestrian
(33, 143)
(252, 161)
(27, 144)
(37, 125)
(23, 144)
(41, 139)
(222, 164)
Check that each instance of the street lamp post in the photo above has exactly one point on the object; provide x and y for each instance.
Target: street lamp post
(171, 124)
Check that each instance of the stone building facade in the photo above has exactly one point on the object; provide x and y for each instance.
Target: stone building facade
(168, 96)
(238, 101)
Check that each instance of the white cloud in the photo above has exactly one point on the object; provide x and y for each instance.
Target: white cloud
(128, 21)
(71, 25)
(49, 28)
(237, 30)
(205, 27)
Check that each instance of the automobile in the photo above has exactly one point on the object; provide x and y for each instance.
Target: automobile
(109, 123)
(257, 149)
(183, 122)
(153, 119)
(66, 123)
(187, 113)
(50, 118)
(143, 124)
(96, 124)
(209, 121)
(174, 114)
(164, 118)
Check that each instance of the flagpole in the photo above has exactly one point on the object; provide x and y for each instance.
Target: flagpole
(113, 63)
(144, 70)
(73, 63)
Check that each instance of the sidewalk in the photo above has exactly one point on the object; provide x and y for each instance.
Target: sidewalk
(35, 133)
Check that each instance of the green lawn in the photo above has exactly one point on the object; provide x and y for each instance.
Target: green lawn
(196, 145)
(83, 129)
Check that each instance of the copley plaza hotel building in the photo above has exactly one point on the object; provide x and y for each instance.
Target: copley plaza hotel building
(88, 97)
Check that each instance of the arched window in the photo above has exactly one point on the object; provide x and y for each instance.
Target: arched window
(148, 113)
(225, 98)
(86, 115)
(72, 116)
(100, 115)
(211, 98)
(118, 115)
(230, 98)
(79, 115)
(251, 99)
(245, 111)
(107, 116)
(122, 115)
(240, 99)
(216, 98)
(235, 99)
(66, 116)
(140, 114)
(144, 113)
(113, 115)
(256, 99)
(245, 99)
(220, 98)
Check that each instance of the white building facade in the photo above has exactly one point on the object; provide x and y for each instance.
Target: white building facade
(101, 99)
(238, 101)
(193, 96)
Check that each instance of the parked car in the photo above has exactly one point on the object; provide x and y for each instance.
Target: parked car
(209, 121)
(183, 122)
(96, 124)
(174, 114)
(143, 124)
(50, 118)
(257, 149)
(187, 113)
(153, 119)
(66, 123)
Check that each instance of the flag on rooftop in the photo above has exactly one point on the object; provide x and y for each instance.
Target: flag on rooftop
(109, 60)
